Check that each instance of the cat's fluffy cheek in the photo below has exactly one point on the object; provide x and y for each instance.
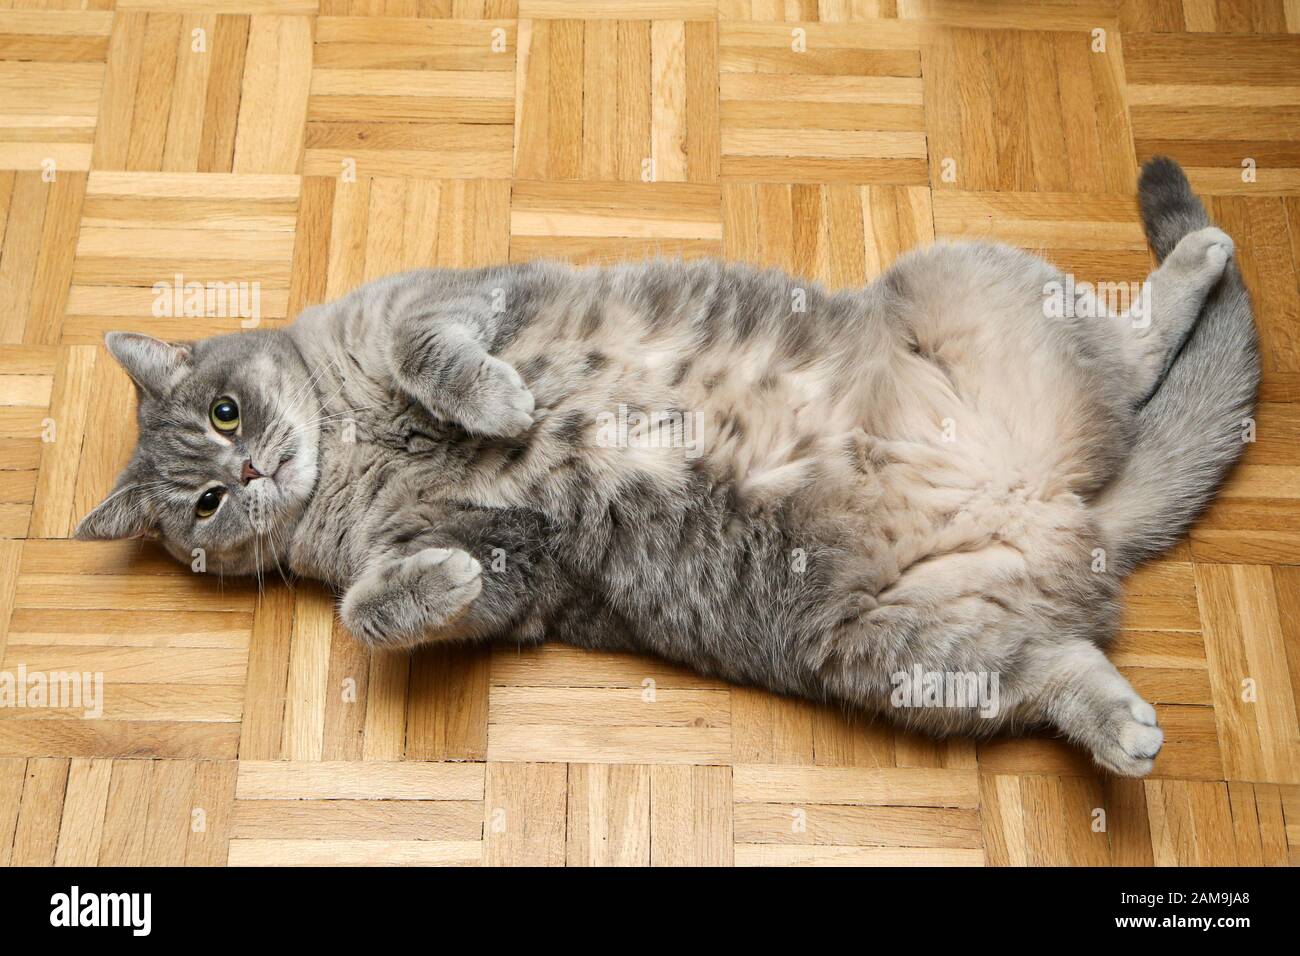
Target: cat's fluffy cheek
(295, 479)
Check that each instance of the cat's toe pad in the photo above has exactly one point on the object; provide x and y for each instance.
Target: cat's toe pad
(1208, 249)
(443, 581)
(406, 601)
(504, 404)
(456, 567)
(1131, 740)
(1143, 712)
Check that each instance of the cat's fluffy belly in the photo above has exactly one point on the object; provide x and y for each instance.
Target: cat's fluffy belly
(932, 452)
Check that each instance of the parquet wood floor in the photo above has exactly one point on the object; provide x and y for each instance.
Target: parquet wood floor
(309, 145)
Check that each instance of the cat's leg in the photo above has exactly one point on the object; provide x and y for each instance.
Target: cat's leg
(442, 363)
(1160, 321)
(1091, 703)
(401, 601)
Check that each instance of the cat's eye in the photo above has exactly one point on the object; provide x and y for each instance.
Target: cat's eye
(224, 414)
(208, 502)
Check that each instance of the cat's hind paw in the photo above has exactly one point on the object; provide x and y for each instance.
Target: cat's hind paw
(1204, 253)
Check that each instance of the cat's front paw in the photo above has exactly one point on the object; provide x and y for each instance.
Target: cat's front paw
(501, 406)
(406, 601)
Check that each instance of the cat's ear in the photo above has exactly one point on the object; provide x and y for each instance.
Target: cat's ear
(151, 363)
(121, 515)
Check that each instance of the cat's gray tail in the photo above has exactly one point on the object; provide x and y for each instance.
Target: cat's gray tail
(1194, 426)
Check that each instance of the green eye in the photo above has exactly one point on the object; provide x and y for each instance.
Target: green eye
(224, 414)
(208, 502)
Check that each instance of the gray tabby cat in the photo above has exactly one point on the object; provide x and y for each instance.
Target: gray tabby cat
(928, 475)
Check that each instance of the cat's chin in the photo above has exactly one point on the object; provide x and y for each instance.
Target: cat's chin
(246, 559)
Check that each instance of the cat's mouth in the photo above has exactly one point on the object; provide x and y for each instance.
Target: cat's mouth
(250, 471)
(289, 482)
(286, 474)
(277, 481)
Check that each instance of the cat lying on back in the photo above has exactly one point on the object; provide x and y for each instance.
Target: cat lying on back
(931, 475)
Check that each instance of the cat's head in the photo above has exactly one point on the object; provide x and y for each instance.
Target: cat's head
(226, 459)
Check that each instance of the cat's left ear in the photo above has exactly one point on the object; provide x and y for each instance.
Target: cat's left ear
(121, 515)
(152, 363)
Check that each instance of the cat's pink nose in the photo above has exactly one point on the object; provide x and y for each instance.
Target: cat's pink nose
(247, 473)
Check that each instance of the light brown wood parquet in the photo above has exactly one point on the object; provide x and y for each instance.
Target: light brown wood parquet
(310, 145)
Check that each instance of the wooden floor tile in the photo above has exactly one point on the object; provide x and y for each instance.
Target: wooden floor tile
(36, 253)
(1255, 700)
(1215, 16)
(1095, 238)
(311, 813)
(608, 222)
(841, 235)
(822, 102)
(1027, 111)
(630, 100)
(525, 814)
(181, 254)
(1225, 106)
(439, 102)
(821, 816)
(51, 72)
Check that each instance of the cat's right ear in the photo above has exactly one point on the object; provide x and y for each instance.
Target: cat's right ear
(121, 515)
(151, 363)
